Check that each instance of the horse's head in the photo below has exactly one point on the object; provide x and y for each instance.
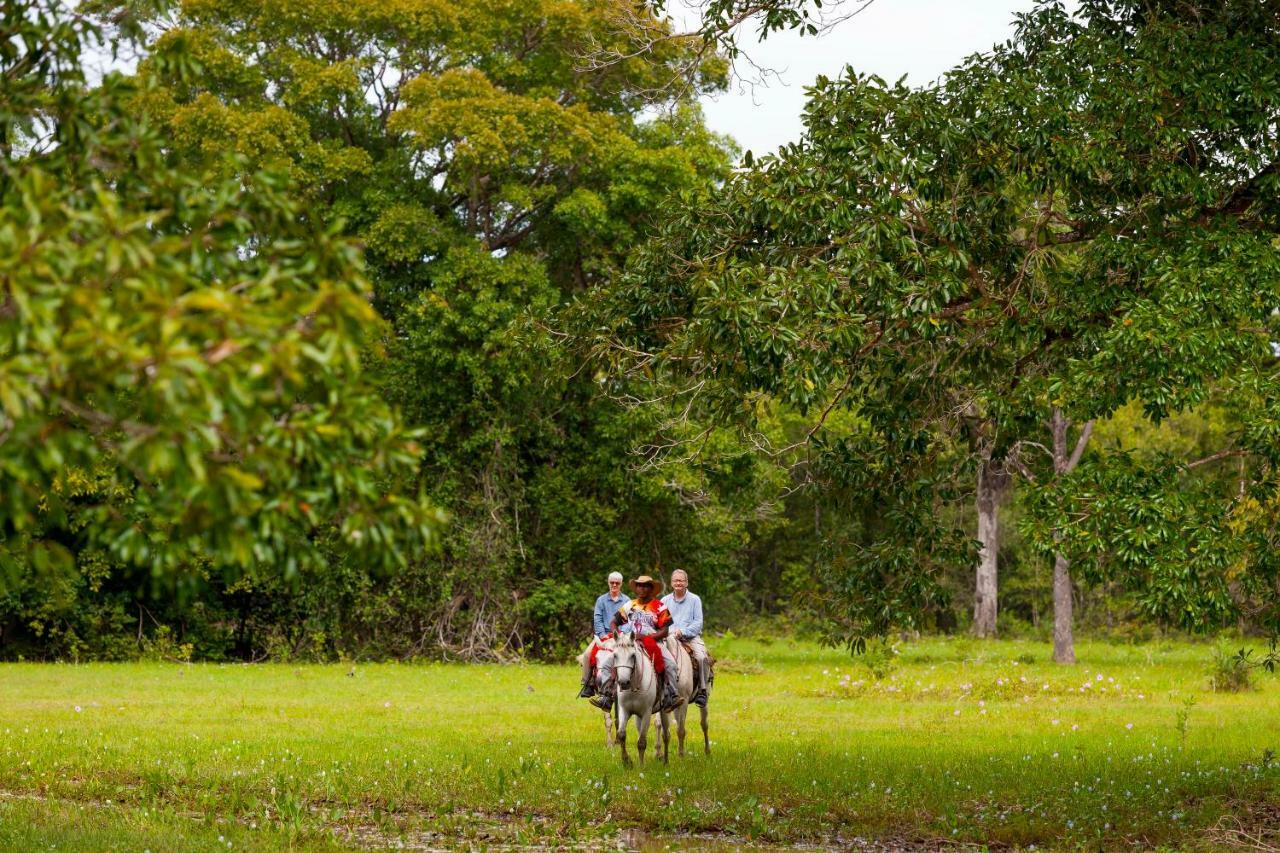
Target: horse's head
(624, 659)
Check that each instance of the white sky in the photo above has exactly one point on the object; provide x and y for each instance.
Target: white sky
(919, 38)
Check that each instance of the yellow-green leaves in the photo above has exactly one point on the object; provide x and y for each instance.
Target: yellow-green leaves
(189, 337)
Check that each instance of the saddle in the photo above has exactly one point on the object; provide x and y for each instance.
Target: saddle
(693, 660)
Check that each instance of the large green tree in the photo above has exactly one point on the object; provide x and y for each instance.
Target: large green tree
(1082, 217)
(181, 379)
(491, 174)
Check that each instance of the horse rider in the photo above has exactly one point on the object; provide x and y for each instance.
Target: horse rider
(650, 623)
(607, 605)
(686, 626)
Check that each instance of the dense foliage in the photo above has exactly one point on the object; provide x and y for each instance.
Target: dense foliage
(180, 354)
(1082, 218)
(316, 269)
(489, 178)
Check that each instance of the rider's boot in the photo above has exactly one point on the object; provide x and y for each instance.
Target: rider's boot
(603, 701)
(588, 688)
(670, 696)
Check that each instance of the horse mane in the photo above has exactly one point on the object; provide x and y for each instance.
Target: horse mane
(604, 645)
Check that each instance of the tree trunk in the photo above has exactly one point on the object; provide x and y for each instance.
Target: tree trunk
(1064, 649)
(990, 483)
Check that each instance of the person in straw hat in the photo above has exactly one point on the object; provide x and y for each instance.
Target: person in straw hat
(650, 621)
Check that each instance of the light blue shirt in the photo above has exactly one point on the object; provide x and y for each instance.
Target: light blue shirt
(606, 607)
(686, 613)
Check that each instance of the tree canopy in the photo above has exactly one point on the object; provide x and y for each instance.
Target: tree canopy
(1082, 217)
(315, 276)
(181, 379)
(488, 176)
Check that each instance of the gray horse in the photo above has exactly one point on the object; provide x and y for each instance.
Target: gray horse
(684, 687)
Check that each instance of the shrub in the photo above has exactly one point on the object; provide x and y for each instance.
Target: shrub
(881, 657)
(161, 646)
(1231, 673)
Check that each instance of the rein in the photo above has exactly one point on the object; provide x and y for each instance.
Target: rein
(646, 673)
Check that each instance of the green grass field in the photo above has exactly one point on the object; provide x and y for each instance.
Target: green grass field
(964, 741)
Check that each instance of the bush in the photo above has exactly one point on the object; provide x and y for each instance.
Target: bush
(161, 646)
(1231, 673)
(881, 658)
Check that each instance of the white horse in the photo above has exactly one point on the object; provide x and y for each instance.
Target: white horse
(684, 688)
(639, 689)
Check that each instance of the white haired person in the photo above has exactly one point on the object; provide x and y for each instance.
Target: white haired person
(608, 604)
(686, 626)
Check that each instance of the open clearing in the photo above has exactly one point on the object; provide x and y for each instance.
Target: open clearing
(964, 741)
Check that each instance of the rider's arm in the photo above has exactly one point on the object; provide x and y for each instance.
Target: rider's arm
(694, 628)
(600, 627)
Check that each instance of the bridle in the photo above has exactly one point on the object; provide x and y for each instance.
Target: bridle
(633, 651)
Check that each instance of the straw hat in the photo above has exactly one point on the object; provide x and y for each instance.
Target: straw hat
(643, 579)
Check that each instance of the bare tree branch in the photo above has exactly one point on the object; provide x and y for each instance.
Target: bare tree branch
(642, 29)
(1081, 442)
(1214, 457)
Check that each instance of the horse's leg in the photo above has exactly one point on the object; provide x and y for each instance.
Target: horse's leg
(666, 735)
(622, 734)
(642, 726)
(706, 739)
(608, 729)
(681, 713)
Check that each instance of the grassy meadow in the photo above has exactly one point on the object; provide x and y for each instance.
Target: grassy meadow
(959, 741)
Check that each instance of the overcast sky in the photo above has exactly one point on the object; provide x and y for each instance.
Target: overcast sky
(918, 38)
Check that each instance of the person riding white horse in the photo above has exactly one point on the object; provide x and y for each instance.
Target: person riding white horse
(686, 617)
(638, 691)
(607, 605)
(650, 622)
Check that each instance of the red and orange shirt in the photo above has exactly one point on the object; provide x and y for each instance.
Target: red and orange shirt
(646, 619)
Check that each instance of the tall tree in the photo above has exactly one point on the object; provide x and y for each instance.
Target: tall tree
(1065, 456)
(1064, 462)
(490, 177)
(1082, 217)
(993, 483)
